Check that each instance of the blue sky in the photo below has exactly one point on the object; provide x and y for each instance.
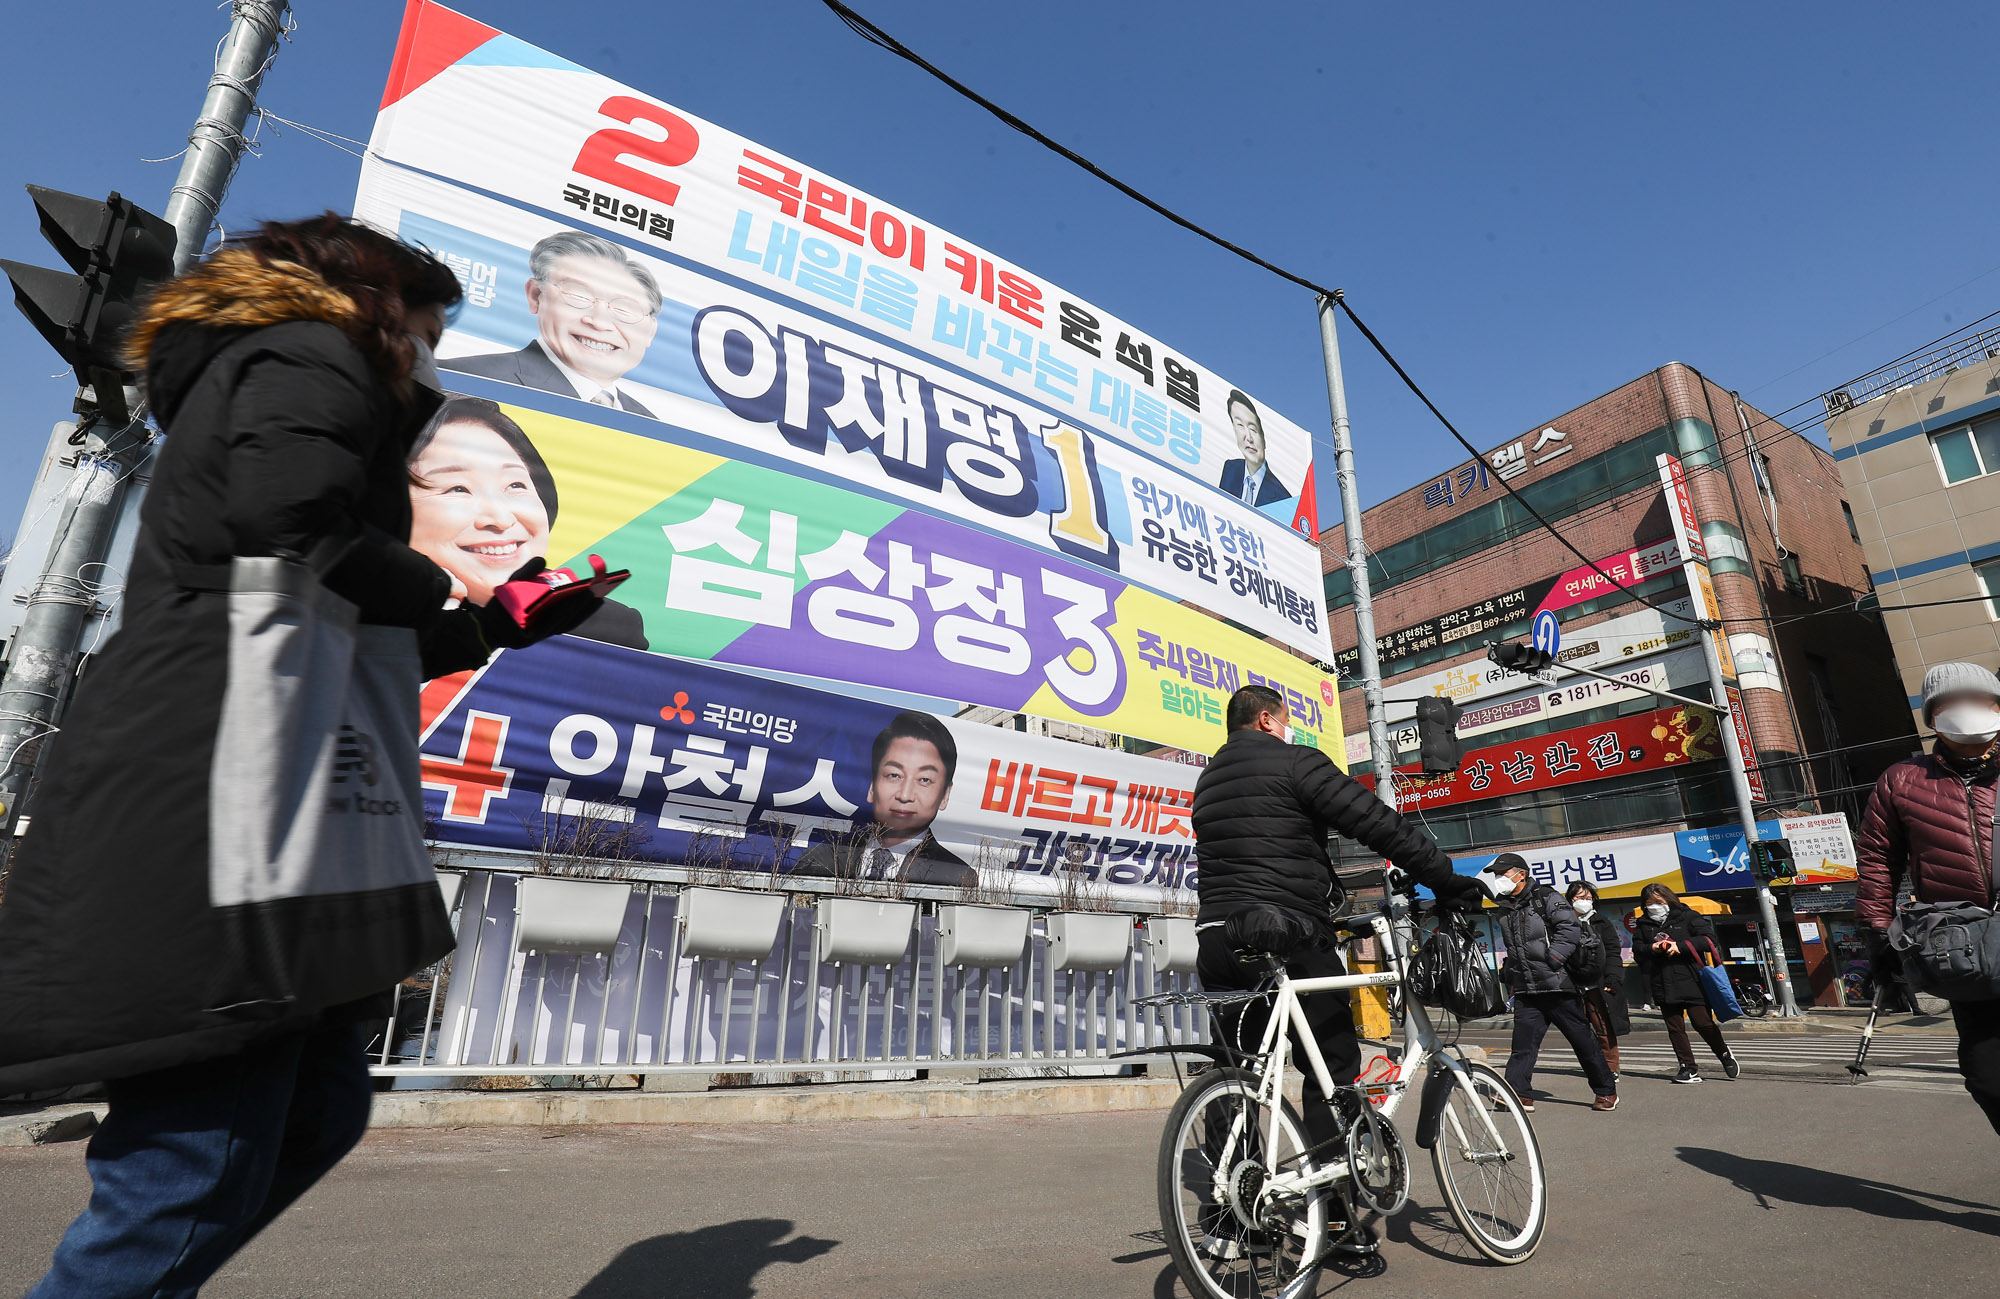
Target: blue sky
(1531, 204)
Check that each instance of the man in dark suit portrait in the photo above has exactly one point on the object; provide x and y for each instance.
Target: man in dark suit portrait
(915, 759)
(1250, 479)
(596, 311)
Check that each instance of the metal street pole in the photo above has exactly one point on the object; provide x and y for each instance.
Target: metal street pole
(41, 660)
(1739, 779)
(216, 142)
(1379, 751)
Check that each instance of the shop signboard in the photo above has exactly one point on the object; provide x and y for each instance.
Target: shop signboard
(1619, 868)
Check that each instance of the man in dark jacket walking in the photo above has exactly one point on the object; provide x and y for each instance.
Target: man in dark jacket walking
(1930, 820)
(1542, 933)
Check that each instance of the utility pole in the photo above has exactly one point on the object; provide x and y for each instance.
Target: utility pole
(1728, 727)
(1379, 751)
(111, 443)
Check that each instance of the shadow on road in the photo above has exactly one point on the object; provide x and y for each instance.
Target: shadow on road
(719, 1262)
(1814, 1188)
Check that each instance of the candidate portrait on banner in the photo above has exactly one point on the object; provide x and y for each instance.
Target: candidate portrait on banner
(596, 311)
(482, 501)
(914, 760)
(1250, 479)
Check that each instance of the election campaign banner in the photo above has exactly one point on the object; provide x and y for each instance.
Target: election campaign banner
(1665, 739)
(747, 565)
(760, 380)
(575, 738)
(621, 252)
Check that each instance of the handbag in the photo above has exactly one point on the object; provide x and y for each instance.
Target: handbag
(1949, 949)
(1715, 985)
(1449, 971)
(322, 887)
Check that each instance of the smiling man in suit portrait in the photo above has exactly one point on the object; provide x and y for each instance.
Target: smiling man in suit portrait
(914, 760)
(1250, 479)
(596, 311)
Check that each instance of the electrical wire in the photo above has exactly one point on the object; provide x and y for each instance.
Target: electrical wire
(878, 37)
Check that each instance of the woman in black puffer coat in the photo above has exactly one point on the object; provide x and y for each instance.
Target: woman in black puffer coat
(1604, 1003)
(1666, 941)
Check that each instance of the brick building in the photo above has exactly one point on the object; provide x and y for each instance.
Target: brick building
(1456, 564)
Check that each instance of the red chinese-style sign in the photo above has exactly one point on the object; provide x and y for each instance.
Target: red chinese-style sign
(1655, 741)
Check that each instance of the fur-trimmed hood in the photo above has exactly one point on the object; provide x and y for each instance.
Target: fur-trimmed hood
(233, 290)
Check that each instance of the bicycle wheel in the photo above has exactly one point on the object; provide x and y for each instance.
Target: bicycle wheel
(1489, 1167)
(1229, 1239)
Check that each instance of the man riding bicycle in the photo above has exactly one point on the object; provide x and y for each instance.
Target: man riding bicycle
(1263, 809)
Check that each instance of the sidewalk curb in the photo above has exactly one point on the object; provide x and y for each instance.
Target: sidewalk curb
(820, 1103)
(47, 1126)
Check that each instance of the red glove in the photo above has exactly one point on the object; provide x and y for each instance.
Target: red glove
(538, 602)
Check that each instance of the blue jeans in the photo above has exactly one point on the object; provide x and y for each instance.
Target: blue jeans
(193, 1161)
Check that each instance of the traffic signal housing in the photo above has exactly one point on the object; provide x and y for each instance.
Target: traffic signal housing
(1438, 746)
(1518, 656)
(1771, 861)
(117, 251)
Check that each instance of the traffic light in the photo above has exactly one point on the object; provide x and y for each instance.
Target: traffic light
(1438, 748)
(1520, 657)
(118, 251)
(1771, 861)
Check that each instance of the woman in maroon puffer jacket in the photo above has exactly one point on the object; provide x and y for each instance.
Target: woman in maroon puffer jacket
(1930, 819)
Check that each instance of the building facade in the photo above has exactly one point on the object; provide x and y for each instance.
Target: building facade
(1457, 564)
(1918, 445)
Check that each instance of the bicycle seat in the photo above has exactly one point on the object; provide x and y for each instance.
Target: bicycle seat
(1266, 929)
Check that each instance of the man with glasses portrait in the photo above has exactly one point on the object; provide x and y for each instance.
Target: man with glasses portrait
(596, 311)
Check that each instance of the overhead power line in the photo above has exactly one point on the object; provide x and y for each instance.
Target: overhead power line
(876, 36)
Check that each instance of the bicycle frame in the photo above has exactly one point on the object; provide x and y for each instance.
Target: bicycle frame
(1421, 1049)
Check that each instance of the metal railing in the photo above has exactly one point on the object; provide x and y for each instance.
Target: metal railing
(646, 1006)
(1943, 359)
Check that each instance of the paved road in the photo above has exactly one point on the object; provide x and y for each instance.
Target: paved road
(1762, 1187)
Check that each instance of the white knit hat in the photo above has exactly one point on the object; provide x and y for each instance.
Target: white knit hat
(1957, 678)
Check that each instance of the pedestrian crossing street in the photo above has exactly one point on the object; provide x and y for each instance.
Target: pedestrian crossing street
(1900, 1061)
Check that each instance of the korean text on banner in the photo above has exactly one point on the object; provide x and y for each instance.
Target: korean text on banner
(676, 354)
(576, 743)
(752, 567)
(480, 108)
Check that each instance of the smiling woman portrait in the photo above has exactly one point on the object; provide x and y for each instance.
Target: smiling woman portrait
(482, 502)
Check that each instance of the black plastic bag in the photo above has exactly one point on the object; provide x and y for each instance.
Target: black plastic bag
(1450, 972)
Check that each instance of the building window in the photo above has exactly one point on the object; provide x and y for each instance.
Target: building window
(1795, 577)
(1968, 451)
(1852, 530)
(1727, 550)
(1764, 469)
(1989, 577)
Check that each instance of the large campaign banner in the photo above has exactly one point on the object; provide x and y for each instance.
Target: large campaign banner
(664, 276)
(747, 565)
(579, 746)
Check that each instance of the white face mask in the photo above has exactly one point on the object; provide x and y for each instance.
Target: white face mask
(1583, 906)
(1968, 722)
(1499, 885)
(424, 366)
(1656, 911)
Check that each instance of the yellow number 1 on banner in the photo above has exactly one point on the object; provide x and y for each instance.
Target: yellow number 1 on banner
(1077, 520)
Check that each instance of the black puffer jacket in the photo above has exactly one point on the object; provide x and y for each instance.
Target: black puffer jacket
(1262, 812)
(1672, 978)
(1541, 932)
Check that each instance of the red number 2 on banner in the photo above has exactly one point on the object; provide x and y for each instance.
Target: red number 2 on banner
(603, 154)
